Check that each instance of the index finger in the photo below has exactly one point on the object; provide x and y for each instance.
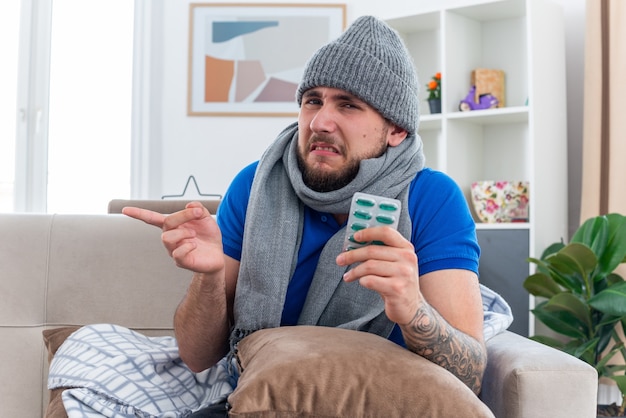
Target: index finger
(148, 216)
(192, 212)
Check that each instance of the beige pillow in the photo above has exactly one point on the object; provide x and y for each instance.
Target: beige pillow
(331, 372)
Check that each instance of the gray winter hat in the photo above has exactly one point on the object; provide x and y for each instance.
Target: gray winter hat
(370, 61)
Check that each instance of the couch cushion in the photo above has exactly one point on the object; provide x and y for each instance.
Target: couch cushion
(73, 270)
(116, 276)
(332, 372)
(53, 338)
(24, 261)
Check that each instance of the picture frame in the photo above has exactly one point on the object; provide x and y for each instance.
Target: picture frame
(246, 59)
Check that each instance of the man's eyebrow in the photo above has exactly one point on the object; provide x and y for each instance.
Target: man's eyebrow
(311, 93)
(348, 97)
(339, 96)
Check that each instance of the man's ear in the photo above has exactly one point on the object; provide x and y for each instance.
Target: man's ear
(396, 135)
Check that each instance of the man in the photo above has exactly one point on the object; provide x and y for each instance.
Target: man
(274, 258)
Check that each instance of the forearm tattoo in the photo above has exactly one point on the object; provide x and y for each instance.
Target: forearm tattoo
(430, 336)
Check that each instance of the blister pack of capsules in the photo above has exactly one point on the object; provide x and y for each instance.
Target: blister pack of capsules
(367, 211)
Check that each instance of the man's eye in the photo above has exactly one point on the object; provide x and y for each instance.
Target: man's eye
(314, 102)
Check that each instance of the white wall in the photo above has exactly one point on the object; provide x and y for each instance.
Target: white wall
(214, 149)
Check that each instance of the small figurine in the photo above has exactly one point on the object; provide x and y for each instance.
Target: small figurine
(485, 101)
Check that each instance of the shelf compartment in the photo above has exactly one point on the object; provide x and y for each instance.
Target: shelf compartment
(487, 151)
(430, 122)
(505, 115)
(474, 42)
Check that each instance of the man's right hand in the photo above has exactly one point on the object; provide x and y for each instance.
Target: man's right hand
(191, 236)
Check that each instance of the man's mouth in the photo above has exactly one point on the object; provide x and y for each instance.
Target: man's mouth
(327, 149)
(324, 148)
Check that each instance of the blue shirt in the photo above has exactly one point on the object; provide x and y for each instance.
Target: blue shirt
(443, 234)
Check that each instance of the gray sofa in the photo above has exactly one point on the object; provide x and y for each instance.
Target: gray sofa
(58, 270)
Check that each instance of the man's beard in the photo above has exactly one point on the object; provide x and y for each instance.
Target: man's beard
(323, 182)
(327, 182)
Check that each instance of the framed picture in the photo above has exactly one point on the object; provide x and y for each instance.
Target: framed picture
(247, 59)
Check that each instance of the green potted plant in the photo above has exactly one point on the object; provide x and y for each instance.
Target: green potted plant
(583, 300)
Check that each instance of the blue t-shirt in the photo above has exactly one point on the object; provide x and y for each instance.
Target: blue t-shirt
(443, 234)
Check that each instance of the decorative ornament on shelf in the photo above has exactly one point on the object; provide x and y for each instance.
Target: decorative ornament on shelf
(486, 92)
(500, 201)
(434, 93)
(485, 101)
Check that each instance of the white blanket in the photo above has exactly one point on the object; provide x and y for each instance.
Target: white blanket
(116, 372)
(497, 313)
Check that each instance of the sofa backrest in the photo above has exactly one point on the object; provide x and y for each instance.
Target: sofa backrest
(58, 270)
(161, 206)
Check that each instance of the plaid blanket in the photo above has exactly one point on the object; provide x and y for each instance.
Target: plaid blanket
(497, 313)
(115, 372)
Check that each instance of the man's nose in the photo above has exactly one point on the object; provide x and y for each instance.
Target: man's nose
(324, 120)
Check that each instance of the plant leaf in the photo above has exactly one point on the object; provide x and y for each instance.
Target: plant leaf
(540, 284)
(570, 266)
(559, 321)
(584, 351)
(552, 249)
(545, 267)
(614, 278)
(570, 303)
(579, 255)
(611, 300)
(566, 277)
(593, 233)
(606, 236)
(612, 368)
(601, 363)
(539, 262)
(615, 251)
(604, 332)
(549, 341)
(608, 320)
(621, 383)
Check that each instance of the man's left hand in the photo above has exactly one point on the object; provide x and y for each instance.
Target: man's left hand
(390, 269)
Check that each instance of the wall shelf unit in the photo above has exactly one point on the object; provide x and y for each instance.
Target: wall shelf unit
(523, 140)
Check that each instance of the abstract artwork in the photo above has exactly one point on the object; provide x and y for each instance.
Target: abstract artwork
(247, 59)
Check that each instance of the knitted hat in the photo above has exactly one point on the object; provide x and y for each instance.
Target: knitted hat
(370, 61)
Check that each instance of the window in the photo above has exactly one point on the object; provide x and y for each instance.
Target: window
(9, 40)
(89, 128)
(76, 148)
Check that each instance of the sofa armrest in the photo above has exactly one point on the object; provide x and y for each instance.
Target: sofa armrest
(525, 378)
